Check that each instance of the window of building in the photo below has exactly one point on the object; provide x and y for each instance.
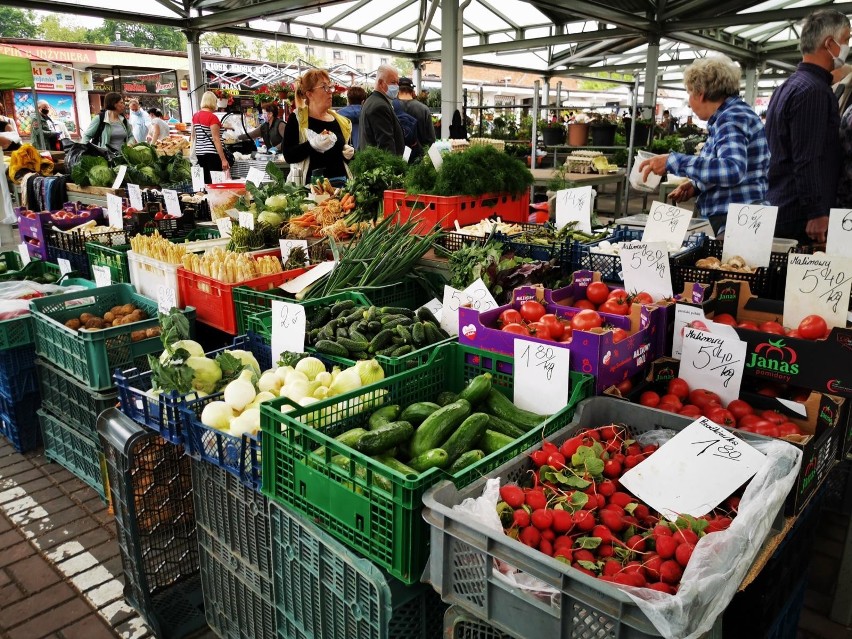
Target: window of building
(359, 60)
(309, 52)
(383, 60)
(337, 55)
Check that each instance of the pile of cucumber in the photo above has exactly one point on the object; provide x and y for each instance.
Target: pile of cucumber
(354, 331)
(451, 433)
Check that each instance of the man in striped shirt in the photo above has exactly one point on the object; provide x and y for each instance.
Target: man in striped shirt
(802, 126)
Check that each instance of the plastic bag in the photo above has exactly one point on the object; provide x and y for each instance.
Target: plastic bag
(15, 296)
(718, 564)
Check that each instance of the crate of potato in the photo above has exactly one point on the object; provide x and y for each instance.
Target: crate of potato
(91, 333)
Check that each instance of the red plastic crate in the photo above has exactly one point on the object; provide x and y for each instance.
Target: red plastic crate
(214, 300)
(445, 210)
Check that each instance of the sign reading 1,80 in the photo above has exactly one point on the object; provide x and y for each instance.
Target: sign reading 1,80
(542, 356)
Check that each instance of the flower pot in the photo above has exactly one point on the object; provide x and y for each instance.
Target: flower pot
(603, 134)
(553, 136)
(643, 134)
(578, 134)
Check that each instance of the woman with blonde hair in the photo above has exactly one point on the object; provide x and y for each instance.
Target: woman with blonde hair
(206, 138)
(316, 139)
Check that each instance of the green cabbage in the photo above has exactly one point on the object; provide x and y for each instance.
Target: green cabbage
(101, 175)
(139, 155)
(277, 203)
(271, 218)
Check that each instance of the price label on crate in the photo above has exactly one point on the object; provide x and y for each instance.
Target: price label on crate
(166, 298)
(134, 194)
(575, 205)
(541, 373)
(645, 266)
(24, 252)
(667, 223)
(103, 277)
(287, 247)
(674, 480)
(476, 296)
(684, 316)
(246, 220)
(817, 285)
(197, 178)
(839, 242)
(114, 211)
(713, 362)
(255, 176)
(64, 265)
(435, 307)
(217, 177)
(288, 328)
(224, 224)
(172, 202)
(749, 230)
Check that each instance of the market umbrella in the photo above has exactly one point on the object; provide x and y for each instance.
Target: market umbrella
(15, 73)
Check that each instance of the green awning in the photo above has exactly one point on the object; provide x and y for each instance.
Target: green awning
(15, 73)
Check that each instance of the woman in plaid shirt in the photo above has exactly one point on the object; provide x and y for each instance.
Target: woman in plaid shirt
(731, 167)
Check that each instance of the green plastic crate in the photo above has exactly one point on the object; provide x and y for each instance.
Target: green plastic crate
(202, 233)
(382, 524)
(92, 356)
(73, 450)
(113, 257)
(11, 261)
(35, 268)
(66, 396)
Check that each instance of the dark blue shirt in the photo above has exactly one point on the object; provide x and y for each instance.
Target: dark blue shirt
(353, 112)
(802, 125)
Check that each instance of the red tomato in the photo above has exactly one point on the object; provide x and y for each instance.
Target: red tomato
(789, 428)
(669, 407)
(749, 421)
(615, 306)
(740, 409)
(509, 316)
(553, 324)
(794, 333)
(643, 298)
(585, 320)
(725, 318)
(539, 330)
(617, 292)
(768, 390)
(747, 324)
(679, 388)
(674, 400)
(649, 398)
(722, 416)
(773, 417)
(812, 327)
(585, 305)
(690, 410)
(532, 311)
(767, 429)
(697, 325)
(567, 335)
(624, 387)
(702, 397)
(619, 334)
(771, 327)
(597, 293)
(518, 329)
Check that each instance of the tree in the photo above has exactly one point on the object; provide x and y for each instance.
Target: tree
(58, 28)
(283, 52)
(18, 23)
(147, 36)
(219, 41)
(405, 66)
(602, 85)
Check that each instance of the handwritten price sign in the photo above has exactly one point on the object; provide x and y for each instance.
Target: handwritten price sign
(197, 178)
(172, 202)
(713, 362)
(287, 247)
(114, 211)
(288, 328)
(667, 223)
(749, 230)
(166, 298)
(476, 296)
(839, 241)
(817, 285)
(674, 479)
(646, 268)
(134, 194)
(575, 206)
(246, 220)
(542, 381)
(103, 277)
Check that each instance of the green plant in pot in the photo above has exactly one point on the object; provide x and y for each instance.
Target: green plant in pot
(603, 130)
(552, 133)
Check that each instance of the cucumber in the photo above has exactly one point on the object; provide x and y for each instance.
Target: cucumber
(355, 334)
(437, 428)
(327, 347)
(498, 404)
(405, 334)
(425, 315)
(396, 310)
(382, 340)
(466, 435)
(352, 345)
(446, 397)
(402, 321)
(387, 319)
(435, 458)
(384, 437)
(468, 459)
(349, 438)
(477, 389)
(384, 415)
(323, 315)
(342, 331)
(432, 333)
(491, 442)
(341, 306)
(418, 334)
(416, 413)
(394, 464)
(342, 461)
(502, 426)
(405, 349)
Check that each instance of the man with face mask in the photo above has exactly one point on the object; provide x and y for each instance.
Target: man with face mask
(802, 124)
(49, 124)
(378, 124)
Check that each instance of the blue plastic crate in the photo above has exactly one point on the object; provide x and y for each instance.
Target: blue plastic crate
(19, 421)
(18, 375)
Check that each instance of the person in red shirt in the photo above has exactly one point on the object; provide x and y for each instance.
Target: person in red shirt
(206, 138)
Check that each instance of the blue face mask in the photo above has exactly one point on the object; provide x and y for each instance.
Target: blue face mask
(393, 91)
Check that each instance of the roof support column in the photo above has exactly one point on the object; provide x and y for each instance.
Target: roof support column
(197, 79)
(417, 76)
(649, 102)
(451, 63)
(546, 100)
(750, 84)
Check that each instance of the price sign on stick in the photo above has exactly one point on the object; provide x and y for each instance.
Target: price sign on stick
(246, 220)
(542, 381)
(305, 279)
(575, 205)
(172, 202)
(645, 266)
(102, 275)
(839, 233)
(119, 177)
(713, 362)
(166, 298)
(684, 316)
(817, 285)
(64, 266)
(114, 212)
(224, 224)
(476, 296)
(197, 178)
(134, 194)
(287, 247)
(667, 223)
(255, 176)
(674, 480)
(217, 177)
(749, 230)
(24, 252)
(288, 328)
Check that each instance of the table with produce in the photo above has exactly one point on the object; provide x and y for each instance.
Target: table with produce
(559, 428)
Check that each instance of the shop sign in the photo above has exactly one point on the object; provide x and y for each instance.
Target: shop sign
(162, 83)
(48, 53)
(50, 77)
(246, 69)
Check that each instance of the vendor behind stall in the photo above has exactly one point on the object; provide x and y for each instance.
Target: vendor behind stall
(271, 131)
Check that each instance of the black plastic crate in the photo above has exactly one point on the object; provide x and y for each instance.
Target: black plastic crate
(75, 241)
(151, 493)
(64, 395)
(453, 241)
(838, 488)
(79, 261)
(19, 422)
(18, 372)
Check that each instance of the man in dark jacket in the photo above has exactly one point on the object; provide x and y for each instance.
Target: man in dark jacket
(378, 124)
(422, 113)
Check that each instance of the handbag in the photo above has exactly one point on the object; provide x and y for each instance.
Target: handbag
(229, 155)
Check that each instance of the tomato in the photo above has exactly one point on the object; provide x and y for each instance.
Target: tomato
(643, 298)
(740, 408)
(768, 390)
(509, 316)
(617, 292)
(794, 333)
(679, 388)
(649, 398)
(567, 335)
(767, 429)
(553, 324)
(584, 305)
(697, 325)
(518, 329)
(812, 327)
(702, 397)
(597, 293)
(619, 334)
(771, 327)
(674, 400)
(669, 407)
(690, 410)
(722, 416)
(585, 320)
(725, 318)
(624, 387)
(749, 421)
(532, 311)
(773, 416)
(747, 324)
(789, 428)
(539, 330)
(615, 306)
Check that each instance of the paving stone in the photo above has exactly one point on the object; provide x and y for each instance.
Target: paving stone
(117, 612)
(133, 629)
(5, 580)
(106, 593)
(89, 579)
(33, 573)
(10, 538)
(77, 564)
(26, 479)
(15, 553)
(9, 594)
(91, 627)
(48, 535)
(36, 605)
(15, 468)
(5, 524)
(59, 617)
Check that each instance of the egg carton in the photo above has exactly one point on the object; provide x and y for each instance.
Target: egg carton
(500, 145)
(579, 164)
(586, 154)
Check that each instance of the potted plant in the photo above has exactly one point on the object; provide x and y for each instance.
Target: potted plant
(603, 131)
(578, 130)
(644, 131)
(552, 133)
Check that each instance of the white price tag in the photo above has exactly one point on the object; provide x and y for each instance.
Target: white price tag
(575, 205)
(246, 220)
(645, 266)
(713, 362)
(406, 153)
(197, 178)
(64, 265)
(224, 224)
(749, 230)
(24, 252)
(166, 298)
(255, 176)
(287, 247)
(476, 296)
(102, 275)
(114, 212)
(541, 373)
(817, 285)
(134, 194)
(299, 283)
(217, 177)
(667, 223)
(288, 328)
(172, 202)
(674, 479)
(839, 241)
(435, 307)
(684, 316)
(119, 177)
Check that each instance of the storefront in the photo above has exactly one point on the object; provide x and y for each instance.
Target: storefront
(153, 88)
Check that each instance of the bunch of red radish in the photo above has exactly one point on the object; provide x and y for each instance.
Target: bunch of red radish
(576, 512)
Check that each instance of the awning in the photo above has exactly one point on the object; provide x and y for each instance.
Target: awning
(15, 73)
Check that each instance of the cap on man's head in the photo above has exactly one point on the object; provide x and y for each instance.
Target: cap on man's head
(406, 83)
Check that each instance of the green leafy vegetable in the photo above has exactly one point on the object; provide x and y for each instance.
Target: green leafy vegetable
(288, 358)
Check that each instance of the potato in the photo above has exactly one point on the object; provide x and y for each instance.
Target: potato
(73, 324)
(95, 322)
(109, 316)
(152, 332)
(107, 324)
(85, 317)
(135, 336)
(142, 314)
(116, 310)
(127, 309)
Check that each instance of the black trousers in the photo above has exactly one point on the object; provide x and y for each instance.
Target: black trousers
(209, 162)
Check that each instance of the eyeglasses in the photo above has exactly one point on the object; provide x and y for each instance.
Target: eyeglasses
(324, 87)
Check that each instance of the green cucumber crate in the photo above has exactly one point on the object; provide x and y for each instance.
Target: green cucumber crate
(382, 522)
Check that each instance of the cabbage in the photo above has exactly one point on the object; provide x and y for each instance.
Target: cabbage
(139, 154)
(151, 175)
(101, 175)
(271, 218)
(277, 203)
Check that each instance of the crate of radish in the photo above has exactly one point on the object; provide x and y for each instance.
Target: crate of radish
(359, 464)
(577, 534)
